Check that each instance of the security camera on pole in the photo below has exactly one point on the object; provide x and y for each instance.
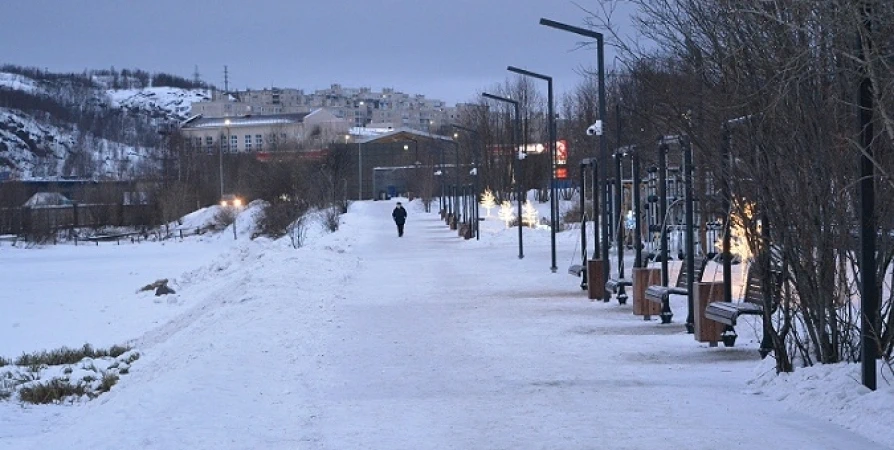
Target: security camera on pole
(596, 266)
(595, 129)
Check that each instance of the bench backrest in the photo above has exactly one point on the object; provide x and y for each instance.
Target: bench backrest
(754, 292)
(683, 275)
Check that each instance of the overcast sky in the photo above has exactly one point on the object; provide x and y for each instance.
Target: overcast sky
(445, 49)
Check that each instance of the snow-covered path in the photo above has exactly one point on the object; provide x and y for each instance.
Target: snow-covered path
(450, 347)
(367, 340)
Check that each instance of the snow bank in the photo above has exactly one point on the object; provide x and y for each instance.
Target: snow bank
(833, 393)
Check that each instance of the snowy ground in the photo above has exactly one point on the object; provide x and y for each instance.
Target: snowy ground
(366, 340)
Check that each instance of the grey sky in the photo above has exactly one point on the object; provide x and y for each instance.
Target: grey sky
(446, 49)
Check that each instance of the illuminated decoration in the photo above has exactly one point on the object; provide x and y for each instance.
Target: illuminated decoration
(506, 213)
(488, 201)
(529, 214)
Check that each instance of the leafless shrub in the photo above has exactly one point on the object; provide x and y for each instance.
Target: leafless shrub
(297, 231)
(279, 218)
(332, 218)
(224, 218)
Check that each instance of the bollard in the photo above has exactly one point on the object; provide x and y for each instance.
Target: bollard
(643, 278)
(595, 282)
(706, 330)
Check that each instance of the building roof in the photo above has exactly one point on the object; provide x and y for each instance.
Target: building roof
(247, 120)
(396, 135)
(45, 199)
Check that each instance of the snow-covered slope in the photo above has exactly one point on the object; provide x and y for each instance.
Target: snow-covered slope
(41, 137)
(19, 82)
(159, 102)
(29, 148)
(32, 149)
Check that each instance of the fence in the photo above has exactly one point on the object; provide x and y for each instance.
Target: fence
(46, 220)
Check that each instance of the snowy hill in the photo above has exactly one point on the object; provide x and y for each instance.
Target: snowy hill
(85, 126)
(30, 148)
(18, 82)
(161, 102)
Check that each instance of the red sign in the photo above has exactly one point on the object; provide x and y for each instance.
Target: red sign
(561, 152)
(562, 173)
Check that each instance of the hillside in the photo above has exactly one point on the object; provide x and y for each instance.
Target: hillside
(100, 124)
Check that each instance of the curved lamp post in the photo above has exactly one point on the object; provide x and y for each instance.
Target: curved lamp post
(518, 181)
(603, 144)
(551, 150)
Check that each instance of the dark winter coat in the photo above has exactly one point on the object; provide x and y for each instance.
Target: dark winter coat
(399, 215)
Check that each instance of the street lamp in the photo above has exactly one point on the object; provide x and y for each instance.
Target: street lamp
(518, 180)
(474, 173)
(551, 150)
(870, 325)
(220, 159)
(603, 144)
(456, 177)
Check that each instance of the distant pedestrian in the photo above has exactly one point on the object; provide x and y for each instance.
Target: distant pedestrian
(400, 217)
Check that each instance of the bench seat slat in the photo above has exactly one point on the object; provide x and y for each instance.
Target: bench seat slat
(613, 284)
(728, 313)
(657, 294)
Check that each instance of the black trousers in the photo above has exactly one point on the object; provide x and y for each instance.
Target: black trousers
(400, 229)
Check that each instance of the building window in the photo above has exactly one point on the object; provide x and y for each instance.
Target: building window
(248, 142)
(209, 141)
(259, 141)
(198, 142)
(234, 143)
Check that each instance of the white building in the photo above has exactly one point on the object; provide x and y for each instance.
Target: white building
(261, 133)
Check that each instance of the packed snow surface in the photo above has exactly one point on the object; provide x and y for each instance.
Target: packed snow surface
(361, 339)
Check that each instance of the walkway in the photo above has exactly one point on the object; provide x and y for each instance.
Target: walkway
(370, 341)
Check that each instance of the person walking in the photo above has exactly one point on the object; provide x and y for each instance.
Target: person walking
(400, 218)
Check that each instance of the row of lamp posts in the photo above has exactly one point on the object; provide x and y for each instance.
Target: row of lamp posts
(869, 291)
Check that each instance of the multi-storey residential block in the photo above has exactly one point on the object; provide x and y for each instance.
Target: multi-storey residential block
(360, 107)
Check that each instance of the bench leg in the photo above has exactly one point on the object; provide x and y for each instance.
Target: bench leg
(666, 314)
(583, 280)
(622, 295)
(729, 336)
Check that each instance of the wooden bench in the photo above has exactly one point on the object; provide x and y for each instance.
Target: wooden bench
(661, 294)
(752, 303)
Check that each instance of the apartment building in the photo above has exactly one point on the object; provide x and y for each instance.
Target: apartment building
(360, 107)
(263, 102)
